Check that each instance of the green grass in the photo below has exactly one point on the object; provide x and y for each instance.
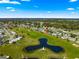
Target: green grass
(31, 37)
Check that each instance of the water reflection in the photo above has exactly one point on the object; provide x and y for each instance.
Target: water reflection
(43, 43)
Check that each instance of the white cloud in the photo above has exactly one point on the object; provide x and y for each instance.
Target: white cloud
(70, 9)
(49, 12)
(26, 0)
(10, 9)
(13, 10)
(73, 0)
(73, 12)
(10, 2)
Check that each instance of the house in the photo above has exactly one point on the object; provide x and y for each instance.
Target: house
(4, 57)
(1, 42)
(1, 36)
(15, 39)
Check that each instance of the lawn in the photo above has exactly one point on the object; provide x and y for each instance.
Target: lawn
(31, 37)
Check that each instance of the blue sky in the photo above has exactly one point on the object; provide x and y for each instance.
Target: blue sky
(39, 9)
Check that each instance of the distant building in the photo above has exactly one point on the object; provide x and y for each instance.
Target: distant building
(1, 42)
(4, 57)
(14, 40)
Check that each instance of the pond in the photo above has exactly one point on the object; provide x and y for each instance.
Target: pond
(43, 43)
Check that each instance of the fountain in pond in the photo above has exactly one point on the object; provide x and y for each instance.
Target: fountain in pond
(43, 44)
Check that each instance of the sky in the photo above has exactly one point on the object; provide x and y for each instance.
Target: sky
(39, 8)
